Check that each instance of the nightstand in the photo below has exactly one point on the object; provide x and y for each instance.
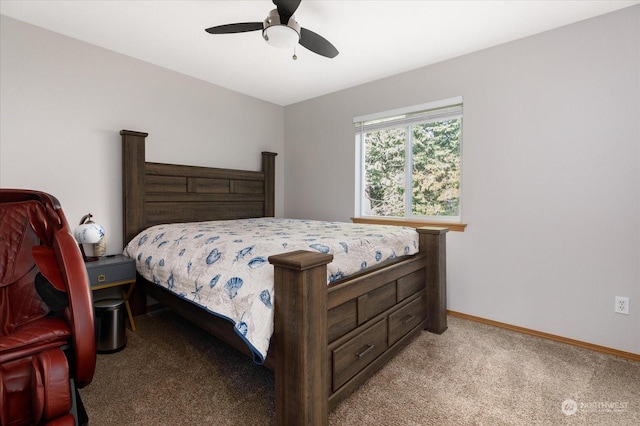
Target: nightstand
(114, 271)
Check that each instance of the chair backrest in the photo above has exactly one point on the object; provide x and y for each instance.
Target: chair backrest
(18, 296)
(32, 222)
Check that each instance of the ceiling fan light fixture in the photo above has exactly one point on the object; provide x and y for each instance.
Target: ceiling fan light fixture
(281, 36)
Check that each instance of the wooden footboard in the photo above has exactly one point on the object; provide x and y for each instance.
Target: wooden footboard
(328, 339)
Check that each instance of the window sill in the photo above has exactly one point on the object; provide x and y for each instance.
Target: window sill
(409, 222)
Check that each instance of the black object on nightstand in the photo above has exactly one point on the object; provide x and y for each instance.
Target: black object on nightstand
(114, 271)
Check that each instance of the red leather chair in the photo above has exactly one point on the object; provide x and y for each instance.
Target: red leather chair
(45, 354)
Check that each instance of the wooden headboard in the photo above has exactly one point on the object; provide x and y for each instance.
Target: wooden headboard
(169, 193)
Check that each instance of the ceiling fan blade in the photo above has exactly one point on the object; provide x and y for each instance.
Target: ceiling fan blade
(242, 27)
(286, 8)
(316, 43)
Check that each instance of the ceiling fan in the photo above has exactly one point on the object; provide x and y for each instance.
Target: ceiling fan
(280, 29)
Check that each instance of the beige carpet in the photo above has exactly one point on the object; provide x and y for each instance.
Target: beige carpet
(172, 373)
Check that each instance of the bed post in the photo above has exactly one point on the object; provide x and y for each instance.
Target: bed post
(133, 199)
(269, 170)
(433, 242)
(301, 357)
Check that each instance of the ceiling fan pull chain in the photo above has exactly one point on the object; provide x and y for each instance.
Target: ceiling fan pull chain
(294, 53)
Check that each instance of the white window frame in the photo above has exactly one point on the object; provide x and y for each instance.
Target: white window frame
(432, 111)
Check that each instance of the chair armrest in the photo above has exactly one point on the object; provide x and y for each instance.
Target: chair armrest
(80, 309)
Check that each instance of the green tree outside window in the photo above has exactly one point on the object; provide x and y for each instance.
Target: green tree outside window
(434, 148)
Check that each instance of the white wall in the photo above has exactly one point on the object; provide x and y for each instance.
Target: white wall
(63, 103)
(551, 174)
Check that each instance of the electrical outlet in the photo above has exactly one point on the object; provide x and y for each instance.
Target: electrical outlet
(622, 305)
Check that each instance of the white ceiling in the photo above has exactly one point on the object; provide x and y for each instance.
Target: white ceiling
(375, 38)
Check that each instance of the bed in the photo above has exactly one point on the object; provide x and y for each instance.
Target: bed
(328, 338)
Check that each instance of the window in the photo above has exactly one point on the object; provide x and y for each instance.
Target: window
(409, 163)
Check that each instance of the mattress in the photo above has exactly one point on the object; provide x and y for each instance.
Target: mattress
(223, 266)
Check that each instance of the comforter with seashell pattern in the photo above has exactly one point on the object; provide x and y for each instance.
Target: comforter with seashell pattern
(223, 265)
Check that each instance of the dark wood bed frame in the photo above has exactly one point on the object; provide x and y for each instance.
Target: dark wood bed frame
(328, 339)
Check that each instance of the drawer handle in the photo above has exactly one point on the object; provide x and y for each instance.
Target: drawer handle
(366, 351)
(408, 319)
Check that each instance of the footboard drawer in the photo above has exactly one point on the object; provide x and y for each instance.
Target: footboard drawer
(357, 353)
(410, 284)
(404, 319)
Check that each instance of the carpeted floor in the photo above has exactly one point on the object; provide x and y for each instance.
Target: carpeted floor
(172, 373)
